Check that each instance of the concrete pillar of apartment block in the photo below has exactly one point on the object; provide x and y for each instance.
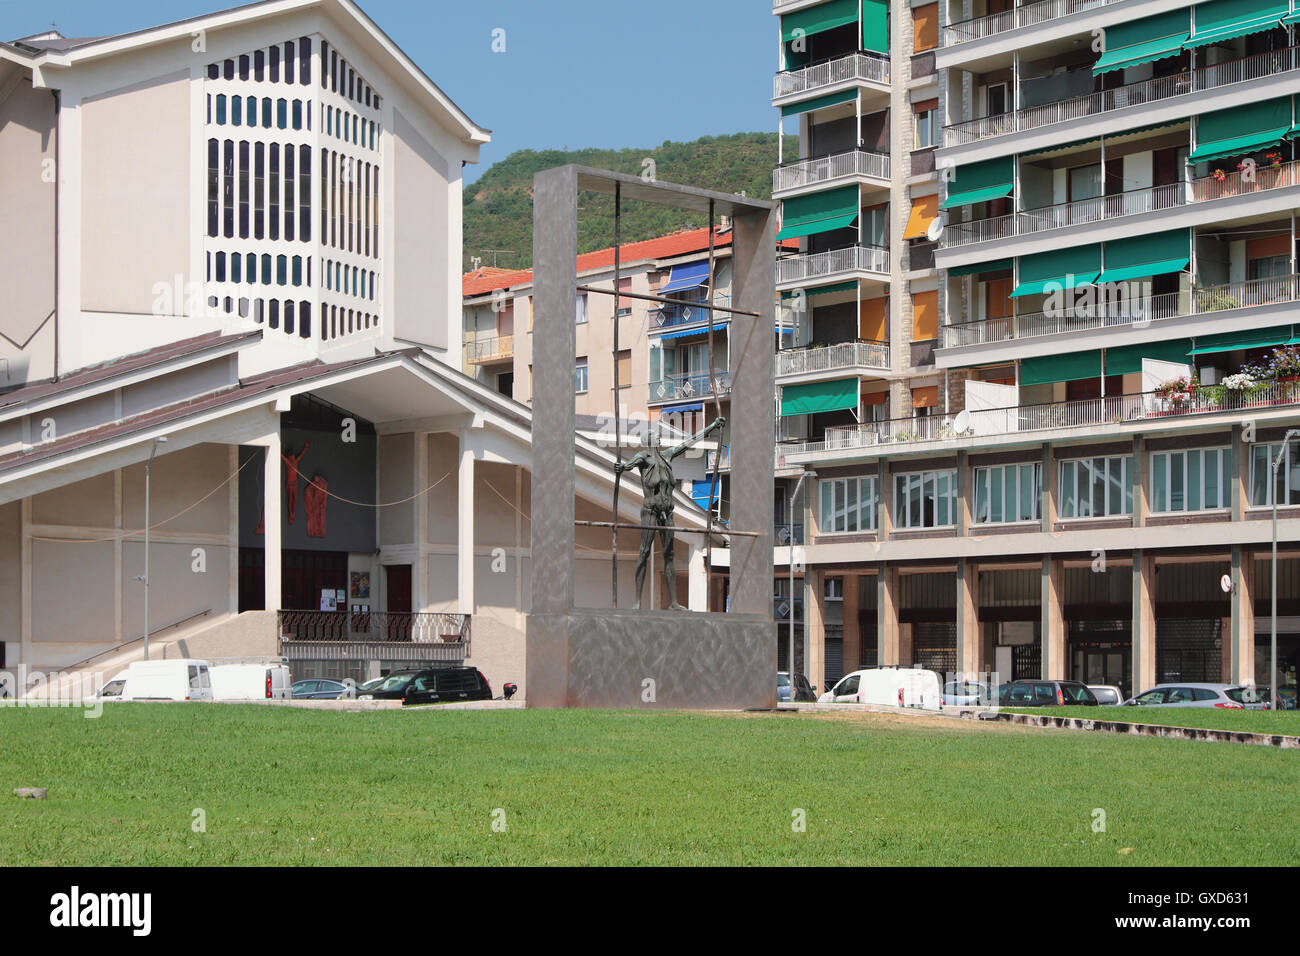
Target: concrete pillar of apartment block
(272, 489)
(852, 633)
(887, 627)
(1053, 618)
(905, 645)
(1242, 633)
(814, 629)
(1144, 622)
(465, 528)
(970, 647)
(697, 581)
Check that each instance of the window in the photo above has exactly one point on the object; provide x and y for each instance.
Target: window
(925, 27)
(580, 375)
(580, 316)
(1262, 489)
(1085, 182)
(995, 99)
(1270, 267)
(847, 504)
(1193, 480)
(624, 285)
(927, 129)
(1096, 487)
(1007, 493)
(625, 368)
(925, 499)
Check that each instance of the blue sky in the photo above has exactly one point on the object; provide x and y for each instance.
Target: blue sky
(575, 73)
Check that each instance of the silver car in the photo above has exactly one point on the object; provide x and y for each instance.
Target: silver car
(1226, 696)
(1108, 695)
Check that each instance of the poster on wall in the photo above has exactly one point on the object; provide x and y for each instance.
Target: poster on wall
(360, 584)
(329, 600)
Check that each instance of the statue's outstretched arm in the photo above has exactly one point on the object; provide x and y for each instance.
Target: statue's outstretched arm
(715, 425)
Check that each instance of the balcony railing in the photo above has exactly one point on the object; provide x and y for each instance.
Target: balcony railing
(489, 349)
(1135, 202)
(820, 169)
(1024, 16)
(1020, 419)
(401, 627)
(818, 265)
(1107, 310)
(855, 66)
(676, 387)
(688, 313)
(829, 358)
(781, 533)
(1154, 90)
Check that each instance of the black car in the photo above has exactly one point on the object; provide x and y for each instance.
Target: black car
(802, 690)
(1045, 693)
(447, 685)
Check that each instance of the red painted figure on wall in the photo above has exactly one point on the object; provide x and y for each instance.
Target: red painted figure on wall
(314, 499)
(291, 478)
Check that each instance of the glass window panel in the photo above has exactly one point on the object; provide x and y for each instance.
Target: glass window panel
(1194, 479)
(1098, 486)
(1159, 482)
(982, 494)
(851, 505)
(914, 503)
(1127, 481)
(1067, 489)
(995, 495)
(827, 513)
(1029, 481)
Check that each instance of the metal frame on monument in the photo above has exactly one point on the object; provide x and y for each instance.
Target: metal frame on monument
(610, 657)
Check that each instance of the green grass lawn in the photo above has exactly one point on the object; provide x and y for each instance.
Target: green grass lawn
(1209, 718)
(294, 786)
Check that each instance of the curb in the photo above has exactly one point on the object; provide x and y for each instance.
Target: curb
(1148, 730)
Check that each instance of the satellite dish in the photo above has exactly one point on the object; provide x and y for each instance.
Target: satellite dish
(934, 230)
(962, 422)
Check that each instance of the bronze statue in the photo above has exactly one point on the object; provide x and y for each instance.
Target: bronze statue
(657, 504)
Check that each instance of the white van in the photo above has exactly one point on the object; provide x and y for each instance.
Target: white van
(160, 680)
(888, 686)
(265, 679)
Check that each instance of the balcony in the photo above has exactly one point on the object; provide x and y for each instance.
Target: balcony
(1028, 15)
(808, 80)
(388, 635)
(1259, 66)
(856, 164)
(483, 351)
(1094, 414)
(683, 314)
(675, 388)
(1115, 312)
(823, 267)
(1136, 202)
(810, 362)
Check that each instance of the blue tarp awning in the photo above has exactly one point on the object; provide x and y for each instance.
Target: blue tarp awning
(696, 330)
(700, 491)
(692, 275)
(690, 407)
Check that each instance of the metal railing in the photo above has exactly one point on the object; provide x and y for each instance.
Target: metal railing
(1028, 15)
(1018, 419)
(1111, 308)
(820, 169)
(722, 457)
(855, 66)
(827, 358)
(781, 533)
(489, 349)
(403, 627)
(1154, 90)
(817, 265)
(1240, 183)
(688, 313)
(688, 386)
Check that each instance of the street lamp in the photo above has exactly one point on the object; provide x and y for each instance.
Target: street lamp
(790, 567)
(148, 466)
(1272, 648)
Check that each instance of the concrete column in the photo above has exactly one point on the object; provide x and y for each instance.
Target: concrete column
(1144, 622)
(1238, 476)
(969, 645)
(887, 627)
(272, 521)
(465, 528)
(1053, 618)
(885, 497)
(697, 586)
(965, 498)
(1049, 504)
(1138, 479)
(852, 633)
(420, 515)
(905, 645)
(814, 629)
(1242, 633)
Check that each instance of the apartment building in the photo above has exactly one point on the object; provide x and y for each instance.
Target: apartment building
(1113, 219)
(232, 416)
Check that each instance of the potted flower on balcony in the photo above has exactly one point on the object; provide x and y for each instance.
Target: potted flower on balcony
(1273, 159)
(1219, 175)
(1175, 394)
(1285, 363)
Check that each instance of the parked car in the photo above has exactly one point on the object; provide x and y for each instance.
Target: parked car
(802, 690)
(1108, 695)
(1045, 693)
(889, 686)
(181, 679)
(267, 680)
(313, 689)
(447, 685)
(392, 687)
(965, 693)
(1225, 696)
(370, 685)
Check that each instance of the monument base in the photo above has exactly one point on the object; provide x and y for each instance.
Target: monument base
(651, 659)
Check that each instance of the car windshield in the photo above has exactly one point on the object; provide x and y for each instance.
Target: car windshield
(395, 682)
(1243, 695)
(965, 688)
(372, 684)
(1076, 692)
(113, 688)
(782, 680)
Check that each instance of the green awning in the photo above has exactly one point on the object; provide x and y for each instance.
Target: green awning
(1139, 53)
(875, 26)
(980, 182)
(1291, 18)
(1163, 267)
(1241, 144)
(1045, 369)
(1221, 20)
(1242, 339)
(1128, 358)
(1054, 284)
(1241, 129)
(972, 196)
(818, 212)
(1148, 247)
(997, 265)
(820, 102)
(814, 397)
(823, 290)
(819, 19)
